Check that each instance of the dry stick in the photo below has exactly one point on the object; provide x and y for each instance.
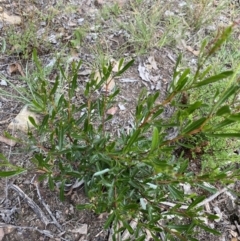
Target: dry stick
(31, 203)
(238, 227)
(45, 232)
(47, 208)
(5, 121)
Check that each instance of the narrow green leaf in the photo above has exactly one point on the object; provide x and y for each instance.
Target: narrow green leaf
(141, 238)
(232, 90)
(176, 194)
(212, 216)
(209, 230)
(101, 172)
(62, 72)
(55, 86)
(214, 78)
(132, 139)
(6, 134)
(182, 80)
(81, 119)
(175, 72)
(179, 228)
(32, 121)
(73, 85)
(222, 124)
(220, 40)
(84, 206)
(74, 174)
(225, 135)
(183, 166)
(194, 125)
(127, 226)
(208, 187)
(109, 220)
(62, 197)
(157, 113)
(223, 110)
(50, 182)
(37, 106)
(155, 139)
(234, 117)
(205, 72)
(125, 68)
(44, 123)
(36, 60)
(190, 109)
(203, 45)
(60, 137)
(11, 173)
(2, 157)
(120, 63)
(196, 202)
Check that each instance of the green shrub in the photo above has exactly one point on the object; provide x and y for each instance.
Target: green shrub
(134, 176)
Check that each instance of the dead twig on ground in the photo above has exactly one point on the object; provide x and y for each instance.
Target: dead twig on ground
(31, 203)
(5, 121)
(47, 208)
(44, 232)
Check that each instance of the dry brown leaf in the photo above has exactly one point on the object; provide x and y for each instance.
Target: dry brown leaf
(234, 234)
(152, 63)
(110, 83)
(14, 68)
(143, 73)
(21, 121)
(112, 111)
(190, 49)
(115, 65)
(83, 229)
(74, 53)
(7, 141)
(9, 19)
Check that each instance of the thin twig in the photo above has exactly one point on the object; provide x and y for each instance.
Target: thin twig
(5, 121)
(47, 208)
(44, 232)
(31, 203)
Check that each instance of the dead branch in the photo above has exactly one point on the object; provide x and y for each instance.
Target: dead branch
(31, 203)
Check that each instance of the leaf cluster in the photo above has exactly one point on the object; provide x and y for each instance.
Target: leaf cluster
(133, 176)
